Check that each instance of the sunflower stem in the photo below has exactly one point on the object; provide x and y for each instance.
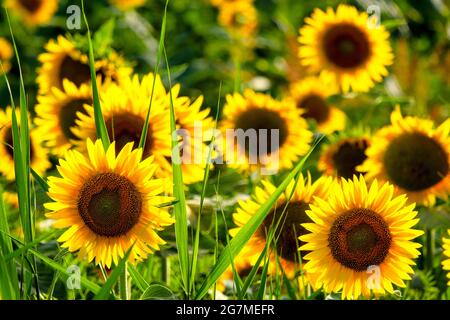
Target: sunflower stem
(123, 284)
(429, 242)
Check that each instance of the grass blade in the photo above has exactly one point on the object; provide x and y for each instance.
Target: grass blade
(202, 199)
(181, 228)
(100, 125)
(105, 291)
(238, 242)
(91, 286)
(9, 279)
(144, 133)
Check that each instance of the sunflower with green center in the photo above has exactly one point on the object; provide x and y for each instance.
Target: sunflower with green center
(127, 4)
(108, 204)
(413, 156)
(360, 240)
(33, 12)
(310, 94)
(261, 117)
(38, 155)
(56, 115)
(342, 156)
(346, 46)
(125, 109)
(6, 53)
(240, 18)
(62, 60)
(446, 252)
(286, 219)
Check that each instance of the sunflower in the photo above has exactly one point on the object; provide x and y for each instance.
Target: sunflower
(125, 109)
(413, 156)
(38, 155)
(108, 204)
(360, 240)
(11, 198)
(34, 12)
(127, 4)
(347, 47)
(62, 60)
(288, 222)
(446, 251)
(57, 112)
(262, 115)
(310, 95)
(242, 266)
(342, 157)
(6, 53)
(240, 18)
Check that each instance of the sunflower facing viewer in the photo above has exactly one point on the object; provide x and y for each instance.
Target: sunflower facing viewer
(108, 203)
(346, 46)
(361, 239)
(33, 12)
(413, 156)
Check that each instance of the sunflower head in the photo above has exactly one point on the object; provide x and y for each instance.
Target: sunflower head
(310, 95)
(360, 240)
(346, 46)
(38, 155)
(280, 135)
(108, 203)
(343, 155)
(412, 155)
(127, 4)
(6, 53)
(284, 220)
(62, 60)
(34, 12)
(57, 113)
(239, 17)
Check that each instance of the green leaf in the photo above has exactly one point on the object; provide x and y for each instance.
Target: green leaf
(144, 133)
(181, 228)
(100, 125)
(238, 242)
(105, 291)
(138, 278)
(91, 286)
(158, 292)
(41, 182)
(9, 280)
(104, 37)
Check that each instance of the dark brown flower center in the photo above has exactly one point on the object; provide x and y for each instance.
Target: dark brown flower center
(31, 5)
(359, 238)
(346, 46)
(125, 128)
(68, 115)
(9, 145)
(415, 162)
(262, 121)
(289, 228)
(109, 204)
(76, 71)
(348, 156)
(316, 108)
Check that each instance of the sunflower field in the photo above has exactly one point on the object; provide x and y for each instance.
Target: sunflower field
(224, 150)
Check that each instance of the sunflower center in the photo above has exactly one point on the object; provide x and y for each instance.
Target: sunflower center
(359, 238)
(75, 71)
(346, 46)
(289, 228)
(125, 128)
(348, 156)
(262, 119)
(109, 204)
(316, 108)
(9, 144)
(415, 162)
(31, 5)
(68, 115)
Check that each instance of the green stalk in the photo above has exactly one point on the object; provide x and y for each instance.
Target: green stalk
(123, 284)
